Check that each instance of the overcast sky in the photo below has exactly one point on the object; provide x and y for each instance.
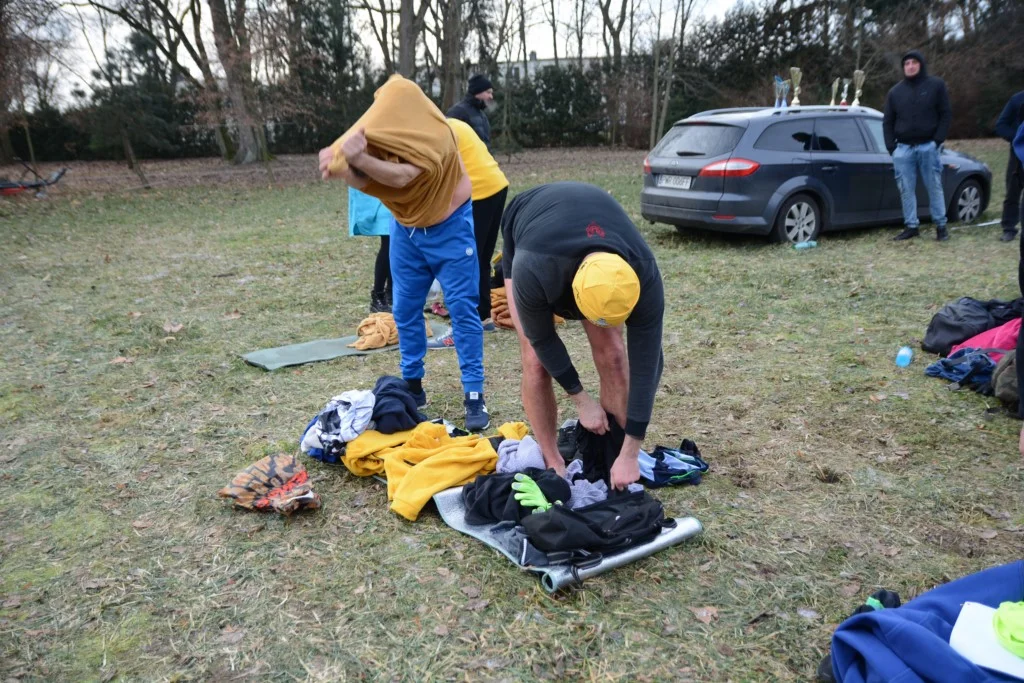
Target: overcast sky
(80, 61)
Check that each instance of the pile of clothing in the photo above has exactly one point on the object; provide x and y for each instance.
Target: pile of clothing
(545, 518)
(379, 330)
(388, 408)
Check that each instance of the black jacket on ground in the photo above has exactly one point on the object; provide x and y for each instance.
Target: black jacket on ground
(471, 111)
(547, 231)
(917, 109)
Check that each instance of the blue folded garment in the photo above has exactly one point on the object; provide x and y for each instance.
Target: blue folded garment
(672, 466)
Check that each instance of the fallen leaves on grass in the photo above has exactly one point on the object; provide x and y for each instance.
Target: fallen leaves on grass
(471, 591)
(232, 635)
(95, 584)
(477, 605)
(122, 360)
(807, 613)
(141, 524)
(173, 328)
(989, 534)
(135, 315)
(849, 590)
(441, 630)
(705, 615)
(233, 315)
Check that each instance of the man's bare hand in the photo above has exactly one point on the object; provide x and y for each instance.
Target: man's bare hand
(592, 415)
(625, 471)
(355, 146)
(326, 157)
(1022, 443)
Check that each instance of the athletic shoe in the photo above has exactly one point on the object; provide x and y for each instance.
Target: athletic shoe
(477, 417)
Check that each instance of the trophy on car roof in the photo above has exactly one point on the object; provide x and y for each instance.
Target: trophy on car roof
(796, 76)
(858, 86)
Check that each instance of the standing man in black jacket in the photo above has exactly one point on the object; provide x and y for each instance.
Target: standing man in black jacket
(571, 250)
(1006, 128)
(473, 108)
(917, 117)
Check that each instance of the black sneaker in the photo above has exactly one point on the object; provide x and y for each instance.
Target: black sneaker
(379, 302)
(477, 417)
(942, 234)
(907, 234)
(1008, 236)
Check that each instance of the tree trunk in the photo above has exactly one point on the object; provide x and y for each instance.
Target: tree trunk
(129, 157)
(6, 148)
(683, 9)
(554, 33)
(452, 39)
(656, 49)
(28, 141)
(234, 57)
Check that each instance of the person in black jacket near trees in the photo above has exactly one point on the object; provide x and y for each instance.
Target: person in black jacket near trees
(1006, 128)
(917, 118)
(473, 108)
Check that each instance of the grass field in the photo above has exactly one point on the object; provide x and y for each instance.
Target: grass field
(833, 472)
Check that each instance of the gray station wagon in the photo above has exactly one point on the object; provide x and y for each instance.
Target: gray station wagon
(791, 173)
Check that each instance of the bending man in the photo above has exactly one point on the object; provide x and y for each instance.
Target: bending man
(571, 250)
(403, 152)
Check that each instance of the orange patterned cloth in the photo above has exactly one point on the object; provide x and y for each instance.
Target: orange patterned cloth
(277, 483)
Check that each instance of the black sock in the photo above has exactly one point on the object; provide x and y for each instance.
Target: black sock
(415, 385)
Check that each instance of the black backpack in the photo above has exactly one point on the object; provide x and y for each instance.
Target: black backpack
(620, 522)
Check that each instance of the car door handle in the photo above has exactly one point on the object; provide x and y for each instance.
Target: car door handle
(829, 169)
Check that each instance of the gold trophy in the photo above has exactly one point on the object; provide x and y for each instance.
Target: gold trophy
(858, 86)
(846, 91)
(795, 76)
(835, 89)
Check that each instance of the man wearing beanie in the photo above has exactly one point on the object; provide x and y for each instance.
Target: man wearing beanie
(472, 109)
(571, 250)
(917, 117)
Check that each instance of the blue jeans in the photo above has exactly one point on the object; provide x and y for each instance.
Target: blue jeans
(446, 251)
(910, 160)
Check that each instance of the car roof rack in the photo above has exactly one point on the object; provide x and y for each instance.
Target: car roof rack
(779, 112)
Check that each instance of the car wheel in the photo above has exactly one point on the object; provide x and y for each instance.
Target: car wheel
(799, 220)
(967, 201)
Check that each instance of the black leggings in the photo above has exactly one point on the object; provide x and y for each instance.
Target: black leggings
(486, 225)
(382, 267)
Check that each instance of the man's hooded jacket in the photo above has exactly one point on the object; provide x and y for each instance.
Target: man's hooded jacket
(917, 109)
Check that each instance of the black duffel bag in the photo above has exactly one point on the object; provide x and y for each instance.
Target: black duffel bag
(620, 522)
(955, 323)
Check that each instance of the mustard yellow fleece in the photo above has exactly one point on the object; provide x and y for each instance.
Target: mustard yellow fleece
(423, 461)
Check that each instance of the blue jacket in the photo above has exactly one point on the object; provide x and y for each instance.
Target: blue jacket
(1009, 121)
(1018, 144)
(911, 643)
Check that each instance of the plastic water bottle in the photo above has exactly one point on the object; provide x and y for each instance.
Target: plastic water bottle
(805, 245)
(904, 356)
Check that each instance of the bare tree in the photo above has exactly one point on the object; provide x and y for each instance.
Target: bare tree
(551, 14)
(582, 13)
(684, 12)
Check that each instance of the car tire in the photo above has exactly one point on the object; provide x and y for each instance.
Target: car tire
(967, 203)
(799, 220)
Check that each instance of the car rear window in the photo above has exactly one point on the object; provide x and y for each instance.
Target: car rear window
(698, 140)
(787, 136)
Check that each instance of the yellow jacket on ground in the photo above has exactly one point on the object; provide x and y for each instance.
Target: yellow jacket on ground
(423, 461)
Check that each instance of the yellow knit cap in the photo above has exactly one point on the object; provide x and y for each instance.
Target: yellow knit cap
(606, 289)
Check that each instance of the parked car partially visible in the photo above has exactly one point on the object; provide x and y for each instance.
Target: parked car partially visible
(792, 174)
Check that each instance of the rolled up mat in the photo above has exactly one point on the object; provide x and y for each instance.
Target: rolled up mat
(319, 350)
(453, 512)
(560, 576)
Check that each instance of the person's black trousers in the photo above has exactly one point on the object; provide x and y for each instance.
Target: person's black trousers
(1013, 204)
(486, 226)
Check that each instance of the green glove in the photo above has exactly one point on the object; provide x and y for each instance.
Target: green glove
(529, 494)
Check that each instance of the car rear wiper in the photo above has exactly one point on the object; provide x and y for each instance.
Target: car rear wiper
(688, 153)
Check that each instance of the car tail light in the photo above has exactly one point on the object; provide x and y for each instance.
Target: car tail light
(731, 168)
(647, 166)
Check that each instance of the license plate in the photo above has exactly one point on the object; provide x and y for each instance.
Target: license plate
(680, 181)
